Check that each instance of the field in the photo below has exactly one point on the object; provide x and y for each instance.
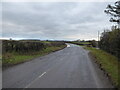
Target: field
(107, 62)
(15, 52)
(80, 43)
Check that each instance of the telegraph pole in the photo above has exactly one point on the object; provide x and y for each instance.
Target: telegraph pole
(98, 38)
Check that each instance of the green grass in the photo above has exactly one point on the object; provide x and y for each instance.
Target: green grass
(108, 62)
(85, 43)
(45, 41)
(81, 42)
(15, 58)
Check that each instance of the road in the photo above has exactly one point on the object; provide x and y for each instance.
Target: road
(67, 68)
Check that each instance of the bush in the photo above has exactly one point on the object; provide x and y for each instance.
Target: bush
(23, 47)
(110, 41)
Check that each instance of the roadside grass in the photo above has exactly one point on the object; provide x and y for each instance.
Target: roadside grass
(108, 62)
(0, 60)
(14, 58)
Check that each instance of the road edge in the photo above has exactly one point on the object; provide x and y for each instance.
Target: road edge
(98, 65)
(7, 66)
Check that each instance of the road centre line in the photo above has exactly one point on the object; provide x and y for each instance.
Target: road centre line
(43, 73)
(35, 80)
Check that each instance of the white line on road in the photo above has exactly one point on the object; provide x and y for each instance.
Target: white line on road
(68, 45)
(42, 74)
(35, 80)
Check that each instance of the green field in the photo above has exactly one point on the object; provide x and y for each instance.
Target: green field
(81, 42)
(108, 62)
(15, 58)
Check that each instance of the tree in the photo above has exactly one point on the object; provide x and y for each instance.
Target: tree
(114, 11)
(110, 41)
(94, 43)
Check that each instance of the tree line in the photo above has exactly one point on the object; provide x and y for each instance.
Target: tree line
(110, 39)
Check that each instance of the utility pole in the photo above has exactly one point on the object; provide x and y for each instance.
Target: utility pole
(98, 39)
(98, 36)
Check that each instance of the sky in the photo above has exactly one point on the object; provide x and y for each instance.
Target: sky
(54, 20)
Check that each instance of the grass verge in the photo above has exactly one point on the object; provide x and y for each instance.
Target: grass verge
(107, 62)
(10, 59)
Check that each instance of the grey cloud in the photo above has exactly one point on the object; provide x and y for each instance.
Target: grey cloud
(53, 20)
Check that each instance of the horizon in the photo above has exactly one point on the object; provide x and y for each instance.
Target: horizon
(44, 39)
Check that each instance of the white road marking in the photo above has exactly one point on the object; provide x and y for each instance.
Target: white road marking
(42, 74)
(68, 45)
(35, 80)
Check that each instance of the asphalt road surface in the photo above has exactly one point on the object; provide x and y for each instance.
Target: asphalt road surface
(67, 68)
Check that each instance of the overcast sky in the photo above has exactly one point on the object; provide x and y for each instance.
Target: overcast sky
(54, 20)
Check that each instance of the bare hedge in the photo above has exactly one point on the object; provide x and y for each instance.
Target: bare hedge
(26, 46)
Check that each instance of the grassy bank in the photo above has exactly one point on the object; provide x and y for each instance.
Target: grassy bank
(15, 58)
(107, 62)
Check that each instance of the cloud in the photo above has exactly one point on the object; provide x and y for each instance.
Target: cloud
(54, 20)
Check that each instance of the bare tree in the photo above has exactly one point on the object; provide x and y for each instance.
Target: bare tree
(114, 11)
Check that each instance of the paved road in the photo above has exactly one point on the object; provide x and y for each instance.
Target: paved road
(67, 68)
